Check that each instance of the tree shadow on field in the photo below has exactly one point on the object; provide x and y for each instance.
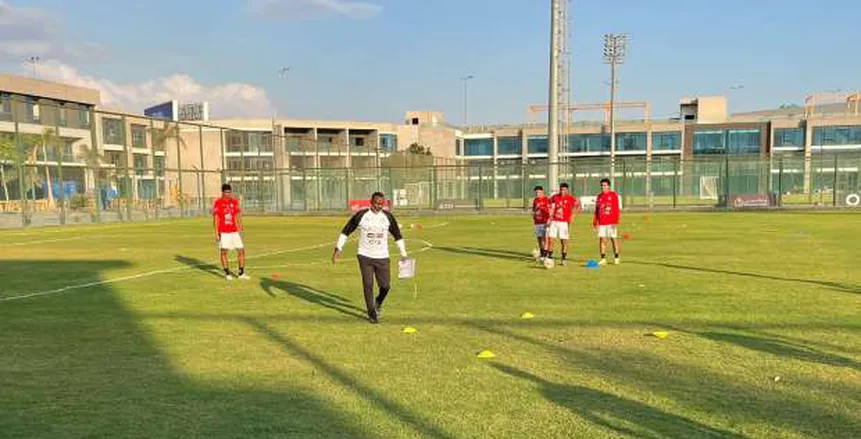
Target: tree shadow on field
(206, 267)
(488, 253)
(781, 348)
(312, 295)
(856, 289)
(82, 363)
(616, 413)
(701, 388)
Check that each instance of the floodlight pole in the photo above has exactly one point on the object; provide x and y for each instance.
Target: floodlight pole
(34, 60)
(553, 99)
(615, 46)
(465, 81)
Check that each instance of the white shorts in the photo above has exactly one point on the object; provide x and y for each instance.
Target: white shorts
(608, 231)
(230, 241)
(558, 230)
(540, 230)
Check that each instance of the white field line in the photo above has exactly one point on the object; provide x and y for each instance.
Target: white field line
(64, 289)
(41, 241)
(150, 273)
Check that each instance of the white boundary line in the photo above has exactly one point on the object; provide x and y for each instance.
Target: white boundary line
(428, 246)
(42, 241)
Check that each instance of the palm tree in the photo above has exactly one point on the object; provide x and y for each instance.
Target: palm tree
(8, 153)
(93, 159)
(36, 143)
(160, 139)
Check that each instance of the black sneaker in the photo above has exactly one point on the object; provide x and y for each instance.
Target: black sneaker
(373, 318)
(379, 307)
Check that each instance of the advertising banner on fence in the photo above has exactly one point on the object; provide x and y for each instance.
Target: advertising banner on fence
(751, 201)
(357, 205)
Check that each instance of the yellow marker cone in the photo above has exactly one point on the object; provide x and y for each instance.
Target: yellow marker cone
(410, 330)
(485, 354)
(661, 335)
(527, 316)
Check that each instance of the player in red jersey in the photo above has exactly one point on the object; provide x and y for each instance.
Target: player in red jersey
(606, 220)
(227, 221)
(563, 207)
(540, 218)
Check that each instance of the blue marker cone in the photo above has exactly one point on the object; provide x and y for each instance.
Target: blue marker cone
(592, 263)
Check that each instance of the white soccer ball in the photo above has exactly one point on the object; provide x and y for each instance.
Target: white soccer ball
(548, 263)
(536, 253)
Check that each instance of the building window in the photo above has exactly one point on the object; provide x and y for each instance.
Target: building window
(743, 141)
(389, 142)
(112, 130)
(158, 164)
(631, 142)
(358, 142)
(115, 158)
(235, 141)
(138, 136)
(259, 142)
(31, 111)
(537, 144)
(595, 142)
(140, 164)
(667, 141)
(509, 145)
(478, 147)
(789, 137)
(837, 136)
(709, 142)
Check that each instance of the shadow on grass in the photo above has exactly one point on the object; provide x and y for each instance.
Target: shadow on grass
(781, 348)
(847, 288)
(206, 267)
(80, 364)
(425, 428)
(621, 415)
(488, 253)
(311, 295)
(700, 388)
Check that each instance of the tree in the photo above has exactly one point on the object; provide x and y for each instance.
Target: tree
(8, 153)
(160, 139)
(35, 144)
(418, 149)
(416, 155)
(93, 159)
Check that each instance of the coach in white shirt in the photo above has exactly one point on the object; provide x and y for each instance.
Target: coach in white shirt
(375, 225)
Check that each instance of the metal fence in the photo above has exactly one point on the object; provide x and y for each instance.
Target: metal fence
(57, 194)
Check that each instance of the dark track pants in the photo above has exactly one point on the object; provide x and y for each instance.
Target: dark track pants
(379, 269)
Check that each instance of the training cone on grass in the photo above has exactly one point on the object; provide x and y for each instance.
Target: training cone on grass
(591, 263)
(275, 276)
(410, 330)
(660, 334)
(626, 237)
(527, 316)
(486, 355)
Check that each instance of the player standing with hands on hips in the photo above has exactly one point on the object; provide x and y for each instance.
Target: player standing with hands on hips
(563, 207)
(374, 225)
(606, 220)
(227, 221)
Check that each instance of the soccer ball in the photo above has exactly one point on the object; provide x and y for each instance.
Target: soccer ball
(548, 263)
(536, 253)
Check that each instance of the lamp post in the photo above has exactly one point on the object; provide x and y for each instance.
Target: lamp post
(615, 49)
(465, 81)
(34, 60)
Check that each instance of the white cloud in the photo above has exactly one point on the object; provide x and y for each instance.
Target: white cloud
(225, 100)
(303, 9)
(28, 31)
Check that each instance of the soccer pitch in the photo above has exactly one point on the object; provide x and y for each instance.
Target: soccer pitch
(129, 330)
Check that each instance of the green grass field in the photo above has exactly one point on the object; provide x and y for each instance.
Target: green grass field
(133, 333)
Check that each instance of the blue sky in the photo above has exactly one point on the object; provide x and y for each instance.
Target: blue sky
(387, 56)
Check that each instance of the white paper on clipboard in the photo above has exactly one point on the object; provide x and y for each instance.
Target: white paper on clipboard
(406, 268)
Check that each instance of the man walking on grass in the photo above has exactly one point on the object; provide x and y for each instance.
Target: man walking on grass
(375, 225)
(227, 221)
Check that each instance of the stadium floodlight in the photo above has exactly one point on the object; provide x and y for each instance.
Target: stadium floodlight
(465, 81)
(553, 97)
(34, 60)
(615, 50)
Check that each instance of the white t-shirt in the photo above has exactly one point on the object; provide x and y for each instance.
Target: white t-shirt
(374, 229)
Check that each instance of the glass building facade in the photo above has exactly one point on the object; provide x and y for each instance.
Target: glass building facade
(837, 135)
(478, 147)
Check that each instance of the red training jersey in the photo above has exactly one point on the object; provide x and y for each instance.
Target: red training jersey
(564, 207)
(541, 210)
(606, 209)
(226, 211)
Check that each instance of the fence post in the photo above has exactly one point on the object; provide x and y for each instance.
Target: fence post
(480, 188)
(780, 183)
(347, 183)
(305, 189)
(179, 172)
(726, 185)
(202, 188)
(676, 166)
(434, 191)
(96, 162)
(834, 186)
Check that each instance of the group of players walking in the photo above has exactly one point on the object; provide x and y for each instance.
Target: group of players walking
(552, 218)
